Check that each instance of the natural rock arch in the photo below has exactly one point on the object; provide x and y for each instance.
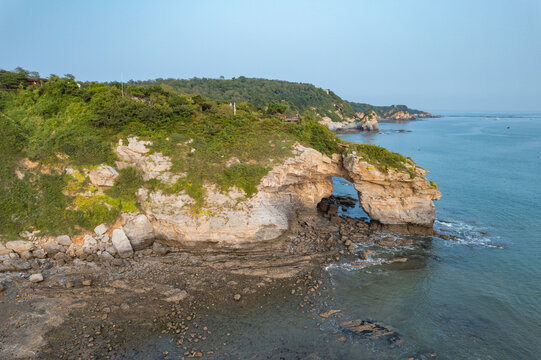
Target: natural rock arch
(295, 186)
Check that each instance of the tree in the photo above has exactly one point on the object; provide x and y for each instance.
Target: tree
(274, 108)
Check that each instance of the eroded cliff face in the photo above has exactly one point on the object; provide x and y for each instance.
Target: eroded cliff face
(230, 221)
(393, 198)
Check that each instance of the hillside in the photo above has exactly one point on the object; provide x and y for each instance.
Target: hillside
(285, 97)
(298, 97)
(59, 168)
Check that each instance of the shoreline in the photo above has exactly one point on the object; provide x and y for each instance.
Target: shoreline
(104, 308)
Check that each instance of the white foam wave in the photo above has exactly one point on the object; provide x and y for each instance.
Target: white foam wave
(465, 234)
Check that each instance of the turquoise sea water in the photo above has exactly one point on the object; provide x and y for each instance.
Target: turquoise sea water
(478, 297)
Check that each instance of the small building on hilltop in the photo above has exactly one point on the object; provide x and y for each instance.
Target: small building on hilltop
(295, 117)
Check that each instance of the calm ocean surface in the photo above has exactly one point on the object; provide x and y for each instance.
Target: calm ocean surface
(479, 297)
(475, 298)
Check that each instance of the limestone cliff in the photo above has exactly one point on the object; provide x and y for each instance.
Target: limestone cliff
(296, 185)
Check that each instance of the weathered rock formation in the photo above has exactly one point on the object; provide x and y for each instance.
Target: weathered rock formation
(297, 185)
(368, 121)
(361, 121)
(103, 176)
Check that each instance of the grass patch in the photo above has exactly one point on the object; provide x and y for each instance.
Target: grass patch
(126, 185)
(384, 159)
(245, 177)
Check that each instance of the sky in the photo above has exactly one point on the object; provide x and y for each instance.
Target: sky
(434, 55)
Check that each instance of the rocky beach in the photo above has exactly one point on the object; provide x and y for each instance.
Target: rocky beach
(82, 304)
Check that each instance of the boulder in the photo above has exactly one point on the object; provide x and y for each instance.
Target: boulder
(386, 241)
(39, 254)
(139, 231)
(4, 250)
(160, 249)
(27, 255)
(36, 278)
(52, 247)
(363, 255)
(110, 249)
(20, 246)
(105, 256)
(90, 245)
(63, 240)
(15, 265)
(122, 243)
(175, 295)
(100, 229)
(329, 313)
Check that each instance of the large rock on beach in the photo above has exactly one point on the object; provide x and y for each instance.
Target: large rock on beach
(122, 243)
(139, 231)
(64, 240)
(20, 246)
(15, 265)
(100, 229)
(4, 250)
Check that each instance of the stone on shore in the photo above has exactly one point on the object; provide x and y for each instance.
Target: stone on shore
(36, 278)
(20, 246)
(105, 256)
(329, 313)
(160, 249)
(4, 250)
(175, 295)
(90, 245)
(63, 240)
(122, 243)
(386, 241)
(39, 254)
(100, 229)
(52, 247)
(139, 231)
(15, 265)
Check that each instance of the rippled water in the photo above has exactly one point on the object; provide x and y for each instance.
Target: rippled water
(479, 296)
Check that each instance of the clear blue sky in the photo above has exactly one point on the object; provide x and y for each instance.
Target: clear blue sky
(470, 55)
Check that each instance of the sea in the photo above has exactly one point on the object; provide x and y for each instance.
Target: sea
(477, 296)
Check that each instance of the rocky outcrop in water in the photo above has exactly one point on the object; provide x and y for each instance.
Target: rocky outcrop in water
(293, 187)
(368, 120)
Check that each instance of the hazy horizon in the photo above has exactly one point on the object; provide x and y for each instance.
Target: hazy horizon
(481, 56)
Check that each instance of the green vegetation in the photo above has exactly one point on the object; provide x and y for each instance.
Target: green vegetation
(15, 79)
(54, 132)
(433, 184)
(384, 159)
(126, 186)
(263, 94)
